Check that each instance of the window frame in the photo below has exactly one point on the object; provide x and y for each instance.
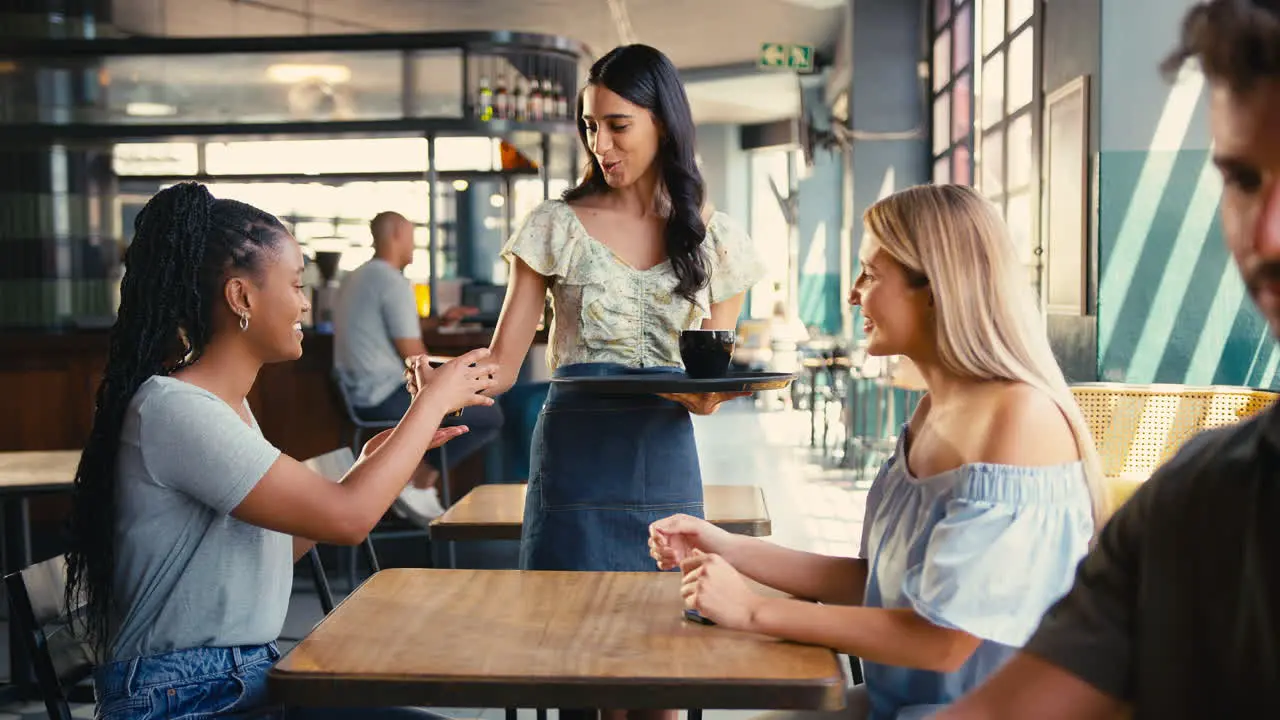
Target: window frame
(948, 88)
(1033, 109)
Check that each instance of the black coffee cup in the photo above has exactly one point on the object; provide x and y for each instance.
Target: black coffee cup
(706, 353)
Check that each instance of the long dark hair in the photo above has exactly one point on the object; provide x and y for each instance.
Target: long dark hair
(185, 243)
(644, 76)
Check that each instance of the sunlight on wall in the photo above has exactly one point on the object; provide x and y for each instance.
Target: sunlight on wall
(1178, 275)
(1171, 131)
(889, 183)
(815, 260)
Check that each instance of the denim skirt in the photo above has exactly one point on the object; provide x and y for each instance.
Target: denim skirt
(602, 467)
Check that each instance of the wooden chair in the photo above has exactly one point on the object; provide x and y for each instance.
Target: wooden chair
(1137, 428)
(61, 660)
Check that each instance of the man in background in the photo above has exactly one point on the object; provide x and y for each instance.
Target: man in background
(376, 329)
(1175, 613)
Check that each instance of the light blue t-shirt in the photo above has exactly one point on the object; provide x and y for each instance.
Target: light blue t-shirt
(982, 548)
(375, 308)
(187, 573)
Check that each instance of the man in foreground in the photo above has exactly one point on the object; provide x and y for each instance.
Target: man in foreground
(1176, 611)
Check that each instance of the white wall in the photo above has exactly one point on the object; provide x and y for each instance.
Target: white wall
(725, 169)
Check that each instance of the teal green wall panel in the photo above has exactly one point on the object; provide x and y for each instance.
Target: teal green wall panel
(820, 301)
(1171, 305)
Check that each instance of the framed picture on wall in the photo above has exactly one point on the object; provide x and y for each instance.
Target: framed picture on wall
(1065, 198)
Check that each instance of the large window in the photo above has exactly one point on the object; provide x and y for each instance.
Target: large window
(770, 176)
(1007, 111)
(951, 73)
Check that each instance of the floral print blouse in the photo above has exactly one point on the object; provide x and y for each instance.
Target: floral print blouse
(607, 311)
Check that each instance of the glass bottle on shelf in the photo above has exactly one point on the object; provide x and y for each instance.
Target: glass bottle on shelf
(548, 101)
(484, 102)
(562, 103)
(520, 101)
(502, 100)
(534, 112)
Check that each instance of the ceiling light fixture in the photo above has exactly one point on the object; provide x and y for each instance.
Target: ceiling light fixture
(292, 73)
(149, 109)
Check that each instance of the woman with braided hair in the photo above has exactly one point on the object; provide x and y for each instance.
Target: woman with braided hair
(186, 522)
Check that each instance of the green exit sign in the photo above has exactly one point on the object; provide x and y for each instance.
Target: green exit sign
(783, 55)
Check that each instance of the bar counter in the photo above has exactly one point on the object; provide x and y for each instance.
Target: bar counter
(48, 381)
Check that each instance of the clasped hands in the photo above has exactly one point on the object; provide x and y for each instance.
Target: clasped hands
(458, 384)
(711, 586)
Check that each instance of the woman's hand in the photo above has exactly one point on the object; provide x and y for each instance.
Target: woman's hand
(717, 591)
(415, 367)
(673, 539)
(442, 436)
(445, 434)
(702, 403)
(457, 314)
(458, 383)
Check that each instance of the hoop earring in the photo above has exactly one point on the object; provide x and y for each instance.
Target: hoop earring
(244, 322)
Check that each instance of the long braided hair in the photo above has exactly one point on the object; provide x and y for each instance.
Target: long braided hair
(644, 76)
(185, 244)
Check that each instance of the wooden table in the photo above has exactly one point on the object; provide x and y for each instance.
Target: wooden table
(38, 471)
(23, 474)
(496, 512)
(505, 638)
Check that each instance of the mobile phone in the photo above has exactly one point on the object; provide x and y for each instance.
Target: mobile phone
(695, 616)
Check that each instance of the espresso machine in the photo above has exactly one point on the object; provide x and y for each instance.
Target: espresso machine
(324, 296)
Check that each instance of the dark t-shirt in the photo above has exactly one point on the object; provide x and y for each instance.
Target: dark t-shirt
(1177, 608)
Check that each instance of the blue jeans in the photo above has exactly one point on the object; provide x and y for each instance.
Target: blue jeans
(208, 682)
(484, 424)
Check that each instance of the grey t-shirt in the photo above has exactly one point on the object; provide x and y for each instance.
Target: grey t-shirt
(376, 306)
(187, 573)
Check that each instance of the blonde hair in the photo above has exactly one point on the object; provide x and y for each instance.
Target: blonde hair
(988, 322)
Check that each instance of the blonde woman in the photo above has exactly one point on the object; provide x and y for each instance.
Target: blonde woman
(975, 525)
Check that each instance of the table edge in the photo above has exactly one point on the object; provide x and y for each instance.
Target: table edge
(312, 689)
(470, 531)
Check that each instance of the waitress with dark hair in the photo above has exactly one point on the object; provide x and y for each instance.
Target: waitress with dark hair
(632, 258)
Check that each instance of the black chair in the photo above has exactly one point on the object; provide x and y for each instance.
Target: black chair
(321, 580)
(360, 425)
(334, 465)
(855, 670)
(61, 660)
(392, 526)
